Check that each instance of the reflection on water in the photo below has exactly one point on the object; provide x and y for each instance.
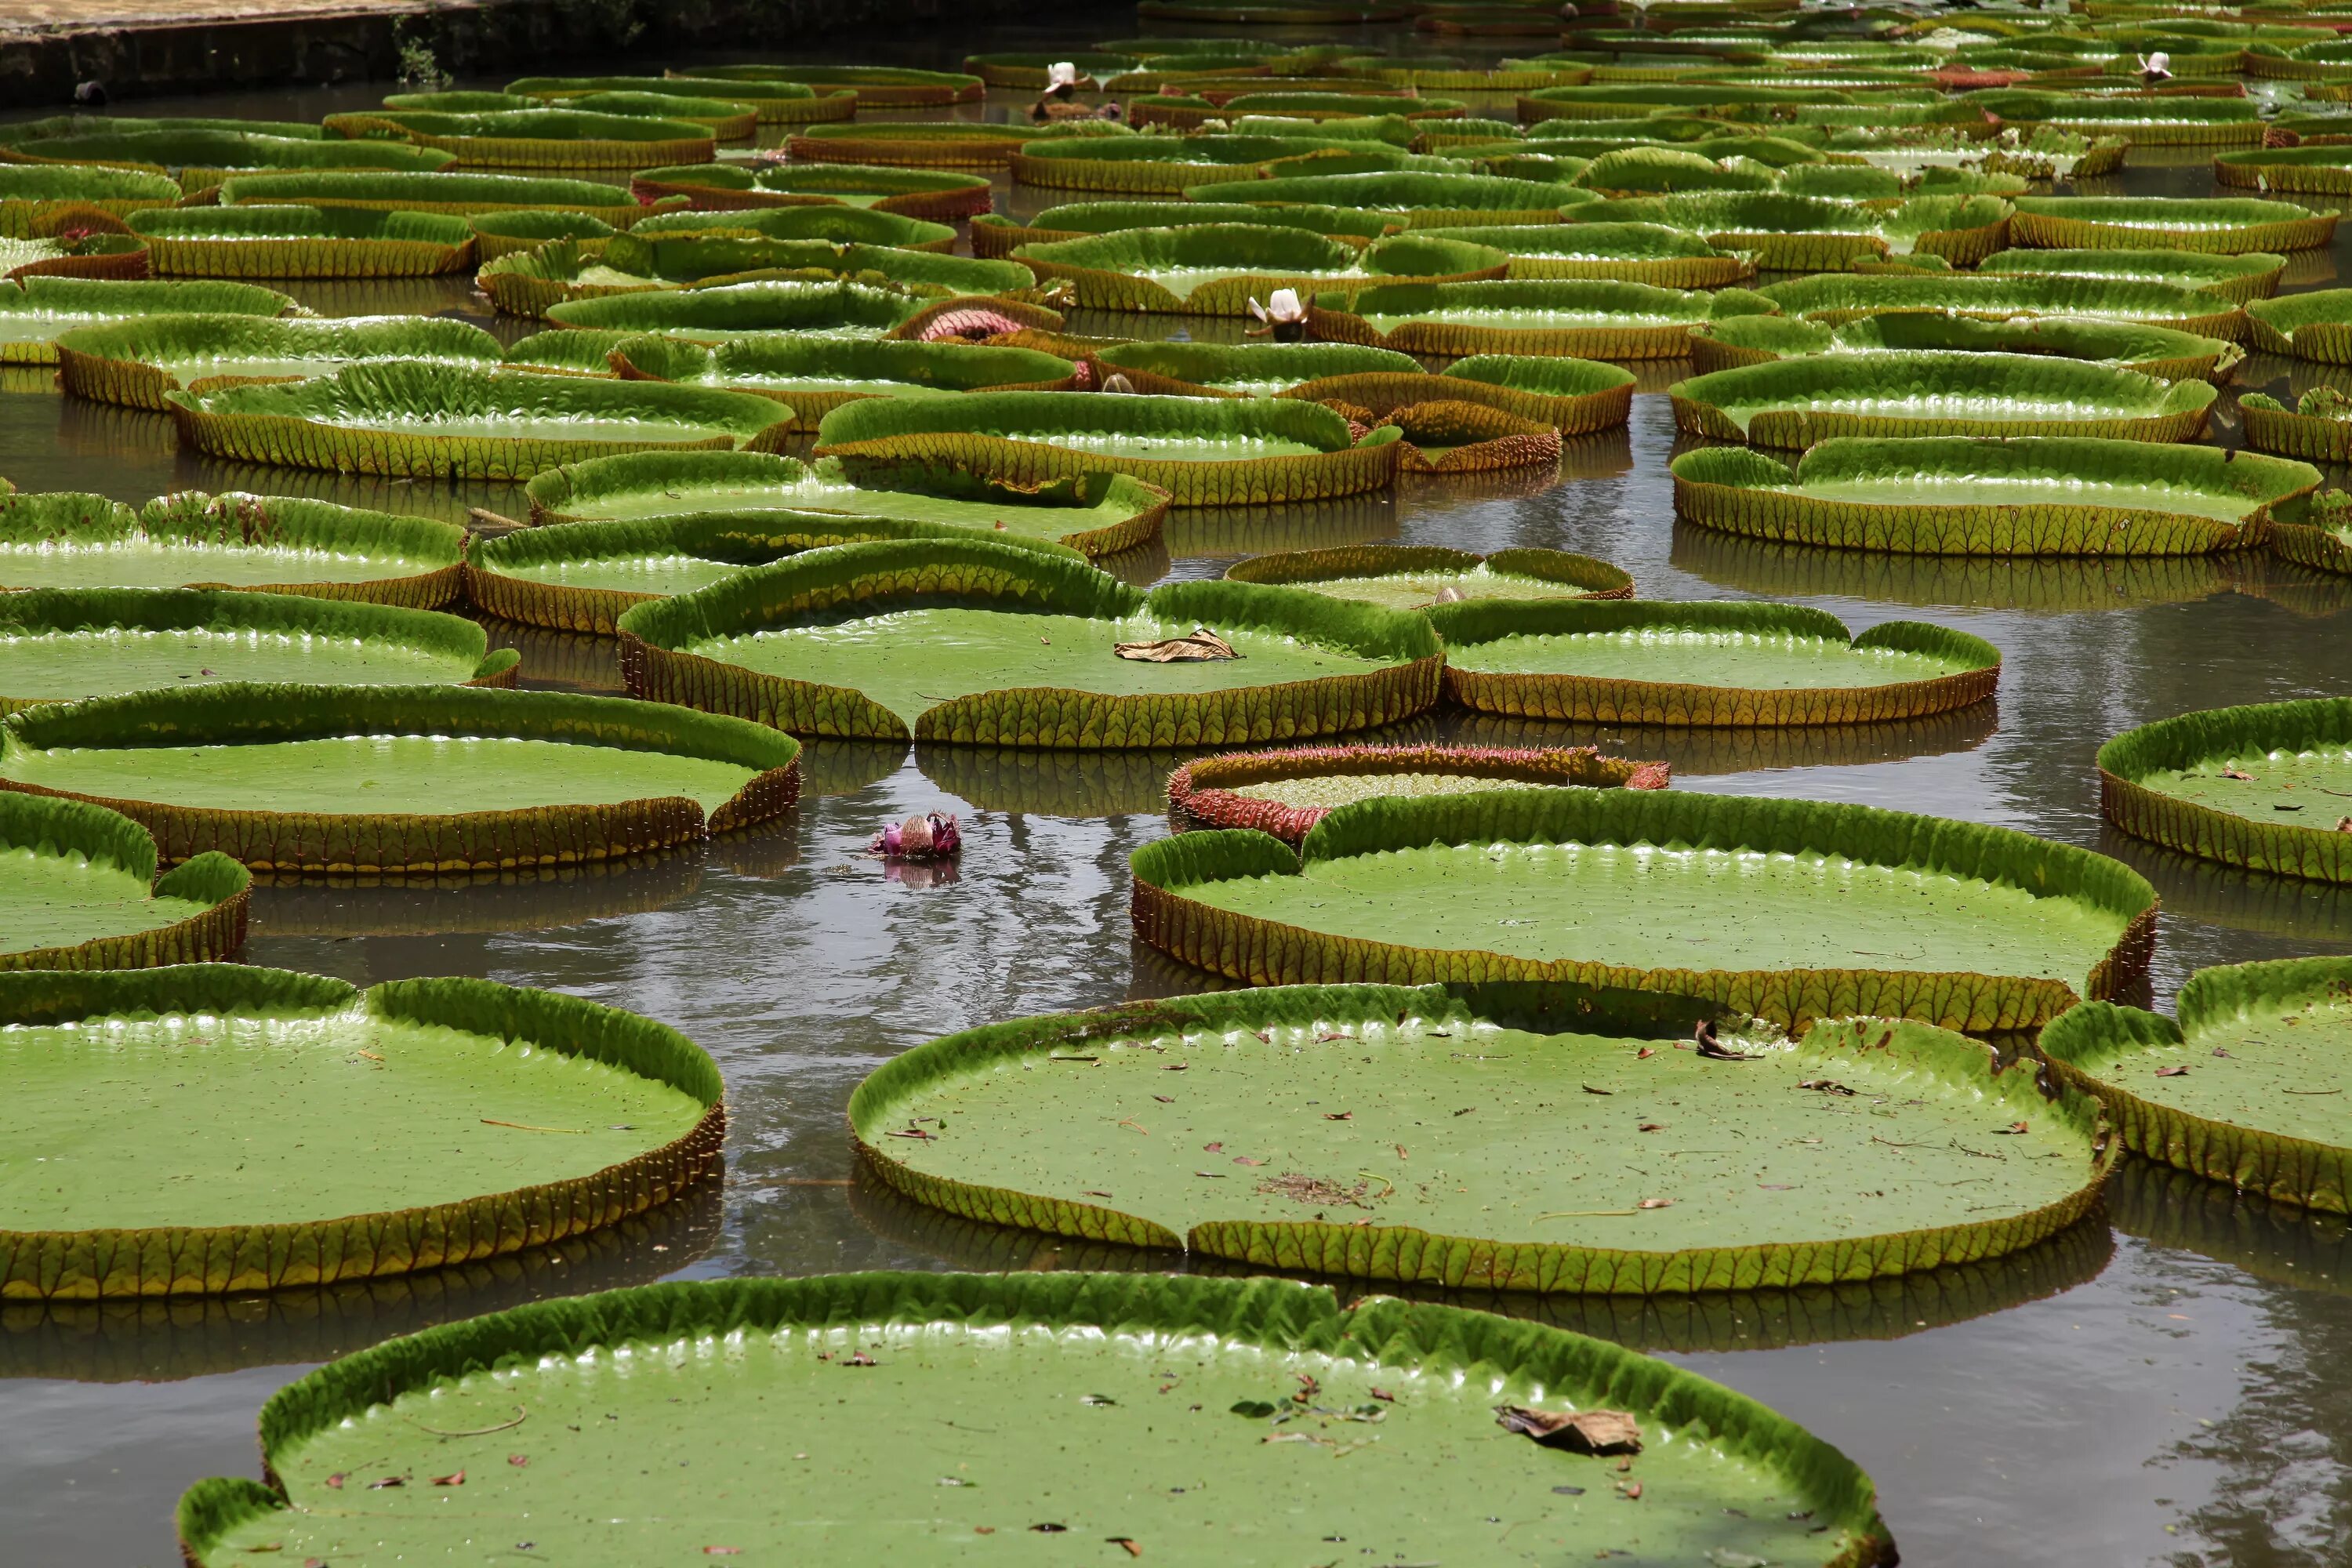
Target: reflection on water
(160, 1340)
(1054, 784)
(563, 661)
(1229, 533)
(530, 899)
(2277, 1242)
(2036, 583)
(1695, 753)
(2316, 915)
(2298, 589)
(1723, 1321)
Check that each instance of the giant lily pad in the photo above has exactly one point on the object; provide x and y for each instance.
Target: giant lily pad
(409, 1127)
(302, 242)
(390, 417)
(1653, 253)
(932, 144)
(976, 644)
(2310, 326)
(1166, 166)
(1203, 451)
(1573, 396)
(2160, 351)
(776, 103)
(1994, 297)
(815, 374)
(2226, 225)
(1582, 318)
(1247, 370)
(503, 233)
(200, 159)
(2151, 121)
(2322, 170)
(874, 87)
(1797, 402)
(1414, 577)
(530, 284)
(1286, 791)
(1610, 100)
(2245, 1089)
(2261, 787)
(2322, 539)
(460, 194)
(1416, 200)
(840, 310)
(267, 544)
(2252, 276)
(36, 312)
(33, 195)
(137, 363)
(1973, 496)
(931, 194)
(1216, 270)
(1810, 233)
(728, 120)
(60, 645)
(1758, 904)
(830, 221)
(368, 779)
(1035, 1358)
(993, 236)
(1098, 514)
(78, 883)
(584, 577)
(1553, 1187)
(538, 138)
(2318, 428)
(1712, 663)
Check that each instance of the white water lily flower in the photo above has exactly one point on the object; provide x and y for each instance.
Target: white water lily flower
(1283, 306)
(2156, 67)
(1061, 74)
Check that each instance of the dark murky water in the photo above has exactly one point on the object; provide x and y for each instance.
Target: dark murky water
(2169, 1391)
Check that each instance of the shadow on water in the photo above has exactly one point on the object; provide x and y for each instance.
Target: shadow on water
(491, 902)
(1723, 1321)
(163, 1339)
(1697, 753)
(2278, 1243)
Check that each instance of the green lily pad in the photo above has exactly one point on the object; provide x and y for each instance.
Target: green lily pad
(1203, 451)
(1416, 200)
(201, 158)
(536, 138)
(79, 889)
(1597, 1159)
(2263, 786)
(392, 417)
(63, 644)
(2252, 276)
(938, 195)
(365, 779)
(2316, 326)
(1286, 791)
(995, 236)
(933, 144)
(2248, 1088)
(2227, 225)
(526, 284)
(1797, 402)
(1711, 663)
(1167, 166)
(30, 194)
(830, 222)
(976, 644)
(1408, 577)
(415, 1124)
(462, 194)
(1808, 233)
(774, 102)
(498, 233)
(1216, 270)
(874, 87)
(1652, 253)
(36, 312)
(1245, 370)
(2164, 120)
(1580, 318)
(135, 363)
(2322, 170)
(302, 242)
(1962, 495)
(2160, 351)
(1840, 297)
(813, 375)
(1099, 514)
(1968, 927)
(1050, 1364)
(838, 309)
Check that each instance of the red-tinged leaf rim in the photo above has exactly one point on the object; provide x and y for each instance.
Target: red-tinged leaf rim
(233, 713)
(1275, 1316)
(1744, 492)
(2125, 797)
(47, 827)
(654, 637)
(1265, 952)
(1930, 1059)
(1619, 700)
(1204, 793)
(93, 1265)
(2104, 1050)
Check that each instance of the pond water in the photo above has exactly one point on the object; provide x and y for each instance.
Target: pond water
(2164, 1387)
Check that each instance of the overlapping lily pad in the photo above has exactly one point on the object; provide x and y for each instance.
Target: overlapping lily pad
(2160, 120)
(74, 254)
(2246, 1087)
(934, 143)
(417, 420)
(933, 194)
(1052, 1363)
(460, 193)
(845, 309)
(530, 284)
(61, 645)
(1995, 296)
(403, 779)
(1248, 369)
(2252, 276)
(504, 233)
(1166, 166)
(817, 375)
(2321, 539)
(994, 236)
(831, 221)
(267, 544)
(2318, 428)
(1758, 904)
(1555, 1186)
(583, 577)
(200, 158)
(2263, 786)
(2160, 351)
(538, 138)
(1653, 253)
(1203, 451)
(774, 102)
(874, 87)
(409, 1127)
(1975, 495)
(2227, 225)
(302, 242)
(78, 884)
(1797, 402)
(1706, 664)
(2316, 326)
(1812, 233)
(977, 643)
(1216, 270)
(1416, 577)
(1573, 396)
(1286, 791)
(36, 312)
(1415, 200)
(2321, 170)
(136, 364)
(1582, 318)
(33, 195)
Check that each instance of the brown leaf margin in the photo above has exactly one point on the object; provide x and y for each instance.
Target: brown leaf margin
(59, 825)
(2318, 854)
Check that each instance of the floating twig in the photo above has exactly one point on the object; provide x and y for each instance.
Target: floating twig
(520, 1416)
